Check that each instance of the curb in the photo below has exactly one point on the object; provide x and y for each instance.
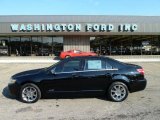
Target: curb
(54, 61)
(28, 61)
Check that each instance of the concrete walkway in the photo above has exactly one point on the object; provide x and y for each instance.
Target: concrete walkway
(51, 59)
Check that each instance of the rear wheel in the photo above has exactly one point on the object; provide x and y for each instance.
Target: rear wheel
(30, 93)
(118, 91)
(67, 56)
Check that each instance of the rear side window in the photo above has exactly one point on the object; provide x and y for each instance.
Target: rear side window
(108, 66)
(115, 63)
(95, 64)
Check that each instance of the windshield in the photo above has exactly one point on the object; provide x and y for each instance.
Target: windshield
(50, 67)
(77, 51)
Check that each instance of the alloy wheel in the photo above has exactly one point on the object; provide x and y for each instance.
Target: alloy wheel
(29, 94)
(118, 92)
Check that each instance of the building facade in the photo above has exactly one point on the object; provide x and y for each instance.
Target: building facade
(107, 35)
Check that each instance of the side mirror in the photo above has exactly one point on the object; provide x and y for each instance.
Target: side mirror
(76, 69)
(53, 71)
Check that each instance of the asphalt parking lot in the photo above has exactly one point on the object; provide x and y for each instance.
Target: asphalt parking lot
(143, 105)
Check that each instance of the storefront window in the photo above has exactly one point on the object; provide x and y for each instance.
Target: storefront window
(15, 46)
(26, 47)
(102, 45)
(47, 46)
(121, 45)
(4, 49)
(155, 42)
(57, 45)
(126, 45)
(36, 45)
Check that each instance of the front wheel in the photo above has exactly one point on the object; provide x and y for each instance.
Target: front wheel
(30, 93)
(118, 91)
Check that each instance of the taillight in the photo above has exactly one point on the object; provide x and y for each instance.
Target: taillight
(141, 71)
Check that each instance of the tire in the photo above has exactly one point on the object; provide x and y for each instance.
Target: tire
(118, 92)
(29, 93)
(67, 56)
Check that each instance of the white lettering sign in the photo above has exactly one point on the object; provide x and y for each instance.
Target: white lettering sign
(14, 27)
(73, 27)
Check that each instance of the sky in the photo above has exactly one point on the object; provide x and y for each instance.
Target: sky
(80, 7)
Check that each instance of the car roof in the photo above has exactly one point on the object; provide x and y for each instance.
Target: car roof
(86, 57)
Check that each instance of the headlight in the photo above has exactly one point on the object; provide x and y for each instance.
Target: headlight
(12, 81)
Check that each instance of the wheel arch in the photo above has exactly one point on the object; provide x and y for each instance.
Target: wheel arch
(122, 79)
(29, 81)
(32, 82)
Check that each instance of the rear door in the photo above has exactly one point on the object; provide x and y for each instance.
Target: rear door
(96, 75)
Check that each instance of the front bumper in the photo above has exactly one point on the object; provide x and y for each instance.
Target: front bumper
(14, 88)
(138, 85)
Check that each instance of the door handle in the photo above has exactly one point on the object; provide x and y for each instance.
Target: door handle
(107, 74)
(93, 76)
(75, 75)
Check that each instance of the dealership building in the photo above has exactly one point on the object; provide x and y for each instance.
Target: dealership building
(43, 35)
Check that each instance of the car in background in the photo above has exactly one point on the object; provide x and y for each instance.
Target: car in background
(75, 53)
(91, 75)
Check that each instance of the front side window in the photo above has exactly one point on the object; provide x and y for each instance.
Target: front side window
(74, 65)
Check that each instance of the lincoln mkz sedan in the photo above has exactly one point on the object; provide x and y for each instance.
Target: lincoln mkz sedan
(80, 75)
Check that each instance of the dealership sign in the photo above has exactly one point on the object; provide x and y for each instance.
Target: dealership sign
(73, 27)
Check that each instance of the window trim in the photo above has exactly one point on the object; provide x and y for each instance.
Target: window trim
(83, 67)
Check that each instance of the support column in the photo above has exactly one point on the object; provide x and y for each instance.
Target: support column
(77, 42)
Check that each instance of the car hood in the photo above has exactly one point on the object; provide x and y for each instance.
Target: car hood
(27, 73)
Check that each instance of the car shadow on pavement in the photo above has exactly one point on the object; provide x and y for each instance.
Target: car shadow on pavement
(7, 94)
(75, 96)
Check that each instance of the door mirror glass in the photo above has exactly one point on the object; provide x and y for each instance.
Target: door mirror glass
(76, 69)
(53, 71)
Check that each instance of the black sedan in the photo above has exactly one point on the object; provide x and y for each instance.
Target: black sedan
(80, 75)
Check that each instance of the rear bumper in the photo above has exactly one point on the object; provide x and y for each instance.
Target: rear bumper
(138, 85)
(14, 89)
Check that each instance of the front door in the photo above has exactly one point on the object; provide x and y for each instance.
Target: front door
(66, 77)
